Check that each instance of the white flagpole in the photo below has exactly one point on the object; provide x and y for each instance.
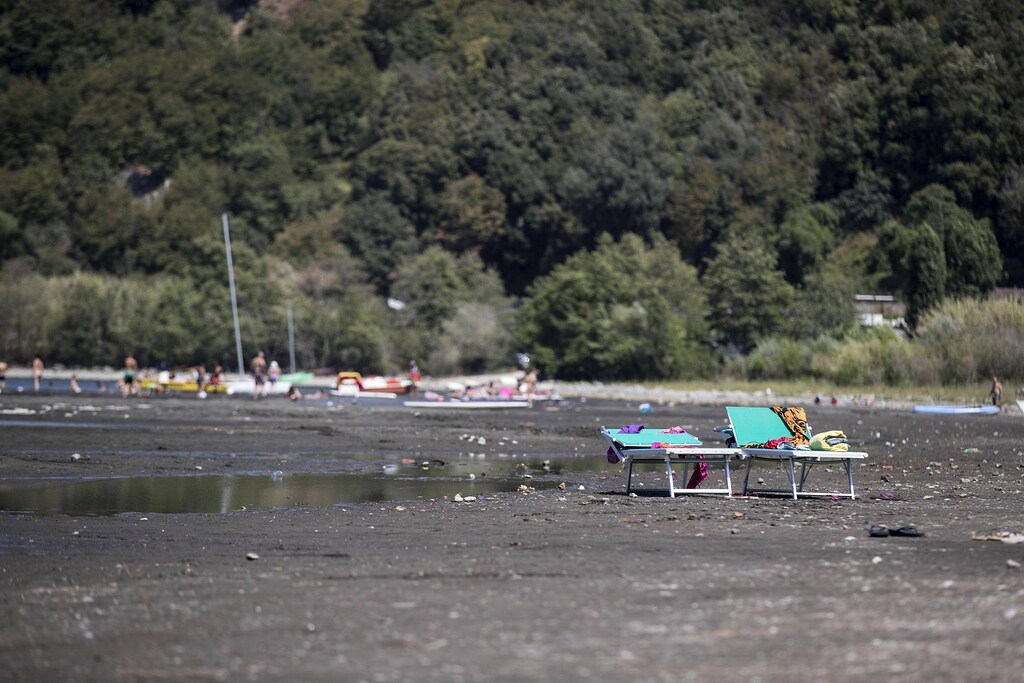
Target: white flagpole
(291, 340)
(234, 303)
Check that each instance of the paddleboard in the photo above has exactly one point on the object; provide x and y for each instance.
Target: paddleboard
(958, 410)
(467, 405)
(350, 391)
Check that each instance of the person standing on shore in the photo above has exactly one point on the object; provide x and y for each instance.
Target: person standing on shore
(996, 392)
(131, 370)
(75, 389)
(258, 366)
(37, 372)
(273, 372)
(201, 381)
(3, 375)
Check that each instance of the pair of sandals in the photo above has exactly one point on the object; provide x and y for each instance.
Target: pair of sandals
(879, 530)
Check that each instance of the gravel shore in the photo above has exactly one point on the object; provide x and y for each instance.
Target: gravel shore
(546, 583)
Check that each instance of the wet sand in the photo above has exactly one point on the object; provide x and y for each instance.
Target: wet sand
(550, 584)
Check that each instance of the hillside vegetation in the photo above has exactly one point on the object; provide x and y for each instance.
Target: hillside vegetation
(620, 188)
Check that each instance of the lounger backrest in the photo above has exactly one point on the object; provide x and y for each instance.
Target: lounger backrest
(756, 425)
(649, 436)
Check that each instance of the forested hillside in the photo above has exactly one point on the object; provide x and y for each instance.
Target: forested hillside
(622, 188)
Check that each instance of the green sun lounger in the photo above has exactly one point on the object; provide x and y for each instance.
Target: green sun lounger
(758, 425)
(653, 447)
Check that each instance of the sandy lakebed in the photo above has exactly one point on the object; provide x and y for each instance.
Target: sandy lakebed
(369, 569)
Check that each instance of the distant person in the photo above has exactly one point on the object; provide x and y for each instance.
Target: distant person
(75, 389)
(273, 373)
(130, 376)
(414, 372)
(3, 375)
(215, 377)
(37, 371)
(201, 381)
(530, 382)
(258, 366)
(996, 392)
(293, 393)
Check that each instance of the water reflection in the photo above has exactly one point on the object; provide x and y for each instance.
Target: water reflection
(216, 493)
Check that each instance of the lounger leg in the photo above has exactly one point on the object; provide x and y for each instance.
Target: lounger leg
(849, 476)
(746, 476)
(805, 469)
(728, 478)
(671, 484)
(792, 478)
(629, 477)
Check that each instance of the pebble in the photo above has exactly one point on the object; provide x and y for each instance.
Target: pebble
(252, 556)
(876, 560)
(1013, 564)
(75, 457)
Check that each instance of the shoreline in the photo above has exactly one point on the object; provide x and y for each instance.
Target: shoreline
(613, 391)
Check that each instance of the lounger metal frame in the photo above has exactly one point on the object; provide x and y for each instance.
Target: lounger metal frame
(807, 460)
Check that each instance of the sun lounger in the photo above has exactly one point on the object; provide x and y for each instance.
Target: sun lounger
(653, 446)
(762, 425)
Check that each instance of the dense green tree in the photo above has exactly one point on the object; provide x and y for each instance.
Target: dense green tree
(918, 262)
(622, 310)
(748, 296)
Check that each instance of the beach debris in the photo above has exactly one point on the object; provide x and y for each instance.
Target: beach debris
(581, 488)
(523, 488)
(1013, 564)
(199, 467)
(75, 457)
(251, 556)
(459, 498)
(910, 531)
(1001, 536)
(645, 408)
(472, 476)
(561, 486)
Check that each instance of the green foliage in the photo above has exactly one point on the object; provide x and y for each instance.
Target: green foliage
(345, 138)
(918, 262)
(624, 310)
(806, 236)
(446, 297)
(973, 339)
(748, 297)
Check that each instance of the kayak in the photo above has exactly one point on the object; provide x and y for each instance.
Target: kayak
(957, 410)
(190, 386)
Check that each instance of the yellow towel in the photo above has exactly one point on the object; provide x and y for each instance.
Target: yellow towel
(819, 442)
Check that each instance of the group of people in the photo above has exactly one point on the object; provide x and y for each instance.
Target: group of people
(37, 374)
(264, 376)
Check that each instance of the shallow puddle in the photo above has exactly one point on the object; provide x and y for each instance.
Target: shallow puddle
(220, 493)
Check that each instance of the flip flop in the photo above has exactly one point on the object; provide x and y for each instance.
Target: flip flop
(878, 530)
(909, 531)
